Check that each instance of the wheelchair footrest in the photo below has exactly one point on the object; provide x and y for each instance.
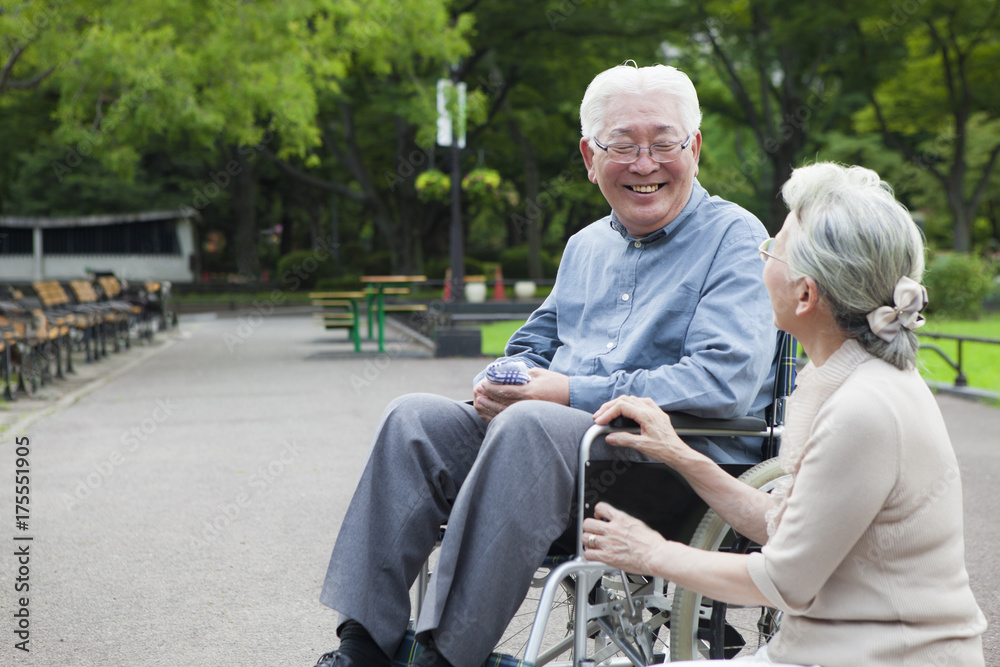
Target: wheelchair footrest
(410, 650)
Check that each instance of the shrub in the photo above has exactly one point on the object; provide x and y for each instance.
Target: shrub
(992, 301)
(376, 263)
(515, 263)
(435, 267)
(344, 283)
(301, 269)
(956, 285)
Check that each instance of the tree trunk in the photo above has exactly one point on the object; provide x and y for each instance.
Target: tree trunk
(783, 161)
(245, 212)
(389, 228)
(534, 207)
(408, 255)
(961, 227)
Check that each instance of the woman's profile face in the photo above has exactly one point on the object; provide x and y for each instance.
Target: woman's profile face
(779, 284)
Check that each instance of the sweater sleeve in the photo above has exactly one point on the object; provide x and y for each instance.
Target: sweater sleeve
(849, 470)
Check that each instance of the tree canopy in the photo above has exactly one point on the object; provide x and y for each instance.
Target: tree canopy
(287, 125)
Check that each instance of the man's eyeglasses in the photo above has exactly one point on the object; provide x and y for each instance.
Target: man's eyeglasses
(629, 153)
(765, 250)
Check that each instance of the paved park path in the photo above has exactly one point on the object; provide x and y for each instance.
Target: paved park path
(183, 507)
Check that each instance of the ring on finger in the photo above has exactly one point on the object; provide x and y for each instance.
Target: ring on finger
(592, 540)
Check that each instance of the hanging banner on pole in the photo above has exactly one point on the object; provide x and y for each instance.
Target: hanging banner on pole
(450, 102)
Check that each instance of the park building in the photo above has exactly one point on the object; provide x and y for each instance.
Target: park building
(152, 245)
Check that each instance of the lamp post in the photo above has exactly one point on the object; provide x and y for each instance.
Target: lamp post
(451, 132)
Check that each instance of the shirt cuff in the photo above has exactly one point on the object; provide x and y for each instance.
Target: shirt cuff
(589, 392)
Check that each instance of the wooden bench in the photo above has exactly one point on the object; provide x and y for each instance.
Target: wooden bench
(43, 334)
(56, 303)
(119, 315)
(340, 310)
(17, 345)
(7, 341)
(154, 297)
(18, 348)
(396, 307)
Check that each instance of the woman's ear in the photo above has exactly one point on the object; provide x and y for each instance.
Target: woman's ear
(807, 298)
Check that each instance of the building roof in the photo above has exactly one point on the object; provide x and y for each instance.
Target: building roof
(94, 220)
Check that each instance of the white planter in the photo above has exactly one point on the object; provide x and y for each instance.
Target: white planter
(475, 292)
(524, 289)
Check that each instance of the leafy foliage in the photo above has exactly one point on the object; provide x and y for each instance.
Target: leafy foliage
(956, 285)
(319, 116)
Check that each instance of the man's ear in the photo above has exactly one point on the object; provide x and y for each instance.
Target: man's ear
(807, 298)
(588, 159)
(696, 151)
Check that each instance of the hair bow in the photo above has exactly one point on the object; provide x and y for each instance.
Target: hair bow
(908, 298)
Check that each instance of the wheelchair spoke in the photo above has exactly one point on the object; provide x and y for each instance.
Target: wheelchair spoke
(558, 634)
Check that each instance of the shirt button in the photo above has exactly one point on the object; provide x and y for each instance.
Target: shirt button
(624, 297)
(638, 244)
(611, 345)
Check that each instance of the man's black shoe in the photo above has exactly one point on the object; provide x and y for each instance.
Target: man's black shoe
(336, 659)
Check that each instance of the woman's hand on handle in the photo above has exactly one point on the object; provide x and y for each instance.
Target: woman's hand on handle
(657, 438)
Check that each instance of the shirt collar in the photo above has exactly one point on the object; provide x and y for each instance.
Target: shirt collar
(698, 193)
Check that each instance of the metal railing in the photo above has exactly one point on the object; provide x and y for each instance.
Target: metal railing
(956, 364)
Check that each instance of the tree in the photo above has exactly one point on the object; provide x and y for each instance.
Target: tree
(772, 77)
(235, 79)
(377, 113)
(34, 37)
(129, 76)
(939, 110)
(532, 68)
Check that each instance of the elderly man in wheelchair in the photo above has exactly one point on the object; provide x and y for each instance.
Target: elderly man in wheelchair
(663, 298)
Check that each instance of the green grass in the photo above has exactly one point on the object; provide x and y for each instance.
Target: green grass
(496, 335)
(241, 297)
(980, 361)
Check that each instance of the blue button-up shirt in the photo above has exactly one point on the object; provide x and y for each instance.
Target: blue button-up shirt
(680, 316)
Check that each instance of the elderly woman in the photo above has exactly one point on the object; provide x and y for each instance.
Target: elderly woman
(863, 547)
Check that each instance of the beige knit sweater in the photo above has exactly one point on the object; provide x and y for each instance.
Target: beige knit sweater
(866, 553)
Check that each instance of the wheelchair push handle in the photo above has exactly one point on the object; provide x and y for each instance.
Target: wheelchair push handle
(686, 424)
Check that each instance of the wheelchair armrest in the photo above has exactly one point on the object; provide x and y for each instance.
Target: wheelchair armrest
(686, 424)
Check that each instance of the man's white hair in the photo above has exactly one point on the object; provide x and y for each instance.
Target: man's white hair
(632, 80)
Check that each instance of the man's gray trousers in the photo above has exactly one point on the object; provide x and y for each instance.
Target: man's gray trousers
(505, 490)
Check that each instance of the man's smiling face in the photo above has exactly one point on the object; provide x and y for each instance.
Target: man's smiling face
(646, 195)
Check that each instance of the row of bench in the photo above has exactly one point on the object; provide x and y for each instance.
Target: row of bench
(44, 322)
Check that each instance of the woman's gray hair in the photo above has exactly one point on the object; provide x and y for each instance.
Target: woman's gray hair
(632, 80)
(856, 241)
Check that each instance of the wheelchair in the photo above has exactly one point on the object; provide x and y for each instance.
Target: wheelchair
(586, 614)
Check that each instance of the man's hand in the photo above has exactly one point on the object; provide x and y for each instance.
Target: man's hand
(490, 399)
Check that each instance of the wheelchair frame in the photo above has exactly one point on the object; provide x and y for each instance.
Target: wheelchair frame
(618, 618)
(615, 612)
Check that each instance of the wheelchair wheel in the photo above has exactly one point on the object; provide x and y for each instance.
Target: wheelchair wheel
(702, 628)
(626, 635)
(556, 648)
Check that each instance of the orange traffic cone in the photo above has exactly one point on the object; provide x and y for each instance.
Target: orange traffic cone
(498, 292)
